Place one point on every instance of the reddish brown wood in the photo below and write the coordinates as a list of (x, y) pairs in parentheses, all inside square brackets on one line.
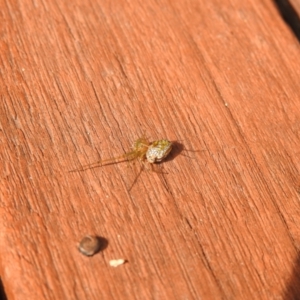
[(80, 80)]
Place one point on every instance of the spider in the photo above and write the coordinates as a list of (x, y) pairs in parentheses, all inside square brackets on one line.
[(142, 150)]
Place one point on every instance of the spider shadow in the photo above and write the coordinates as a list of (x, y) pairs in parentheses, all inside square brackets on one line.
[(177, 150), (289, 15), (292, 290), (2, 291)]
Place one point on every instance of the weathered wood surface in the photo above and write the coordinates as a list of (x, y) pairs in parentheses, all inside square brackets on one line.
[(80, 80)]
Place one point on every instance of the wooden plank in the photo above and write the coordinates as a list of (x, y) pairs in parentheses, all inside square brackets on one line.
[(80, 81)]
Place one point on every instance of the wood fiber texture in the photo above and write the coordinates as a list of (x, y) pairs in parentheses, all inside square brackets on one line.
[(81, 80)]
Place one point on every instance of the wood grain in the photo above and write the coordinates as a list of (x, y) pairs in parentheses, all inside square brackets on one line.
[(81, 80)]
